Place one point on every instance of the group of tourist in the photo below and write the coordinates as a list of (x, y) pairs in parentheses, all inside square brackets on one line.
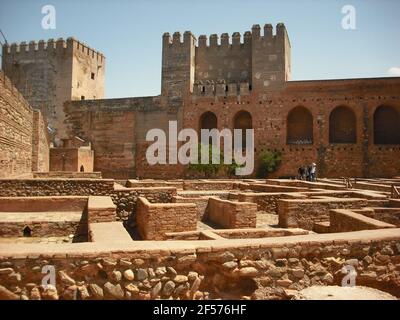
[(308, 173)]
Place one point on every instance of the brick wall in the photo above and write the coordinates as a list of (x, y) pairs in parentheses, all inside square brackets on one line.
[(124, 198), (40, 144), (154, 220), (346, 220), (231, 215), (24, 144), (305, 212)]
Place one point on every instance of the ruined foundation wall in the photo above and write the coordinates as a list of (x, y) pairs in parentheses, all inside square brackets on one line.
[(155, 220), (124, 198), (256, 269)]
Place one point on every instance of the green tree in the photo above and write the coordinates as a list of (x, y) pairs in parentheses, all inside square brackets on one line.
[(269, 162)]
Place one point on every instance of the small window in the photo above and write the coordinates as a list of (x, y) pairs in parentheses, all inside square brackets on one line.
[(92, 75), (82, 97), (27, 232)]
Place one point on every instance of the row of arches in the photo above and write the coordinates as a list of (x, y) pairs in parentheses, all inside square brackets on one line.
[(242, 120), (342, 125)]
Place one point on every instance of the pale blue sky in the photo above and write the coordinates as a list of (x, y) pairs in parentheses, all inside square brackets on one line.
[(129, 33)]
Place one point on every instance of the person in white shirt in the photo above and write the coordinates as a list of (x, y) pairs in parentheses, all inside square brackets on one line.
[(313, 172)]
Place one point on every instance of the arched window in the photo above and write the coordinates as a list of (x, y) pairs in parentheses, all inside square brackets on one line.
[(208, 120), (386, 125), (342, 126), (82, 169), (243, 121), (299, 126)]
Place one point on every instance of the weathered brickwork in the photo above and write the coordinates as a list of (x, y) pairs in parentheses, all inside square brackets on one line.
[(154, 220), (124, 198), (50, 73), (296, 213), (24, 143), (347, 124), (231, 215)]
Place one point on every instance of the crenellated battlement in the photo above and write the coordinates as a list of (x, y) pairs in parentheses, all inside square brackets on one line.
[(50, 46), (176, 39), (224, 41), (220, 88), (257, 59)]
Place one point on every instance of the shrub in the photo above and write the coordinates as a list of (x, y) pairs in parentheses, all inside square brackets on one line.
[(269, 162)]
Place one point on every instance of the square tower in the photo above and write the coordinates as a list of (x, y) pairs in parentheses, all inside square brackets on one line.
[(53, 72)]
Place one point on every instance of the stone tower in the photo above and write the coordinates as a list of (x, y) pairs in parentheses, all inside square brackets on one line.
[(53, 72), (226, 66)]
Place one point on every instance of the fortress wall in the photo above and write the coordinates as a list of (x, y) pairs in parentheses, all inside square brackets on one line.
[(229, 60), (270, 121), (24, 144), (16, 127), (53, 72), (235, 269)]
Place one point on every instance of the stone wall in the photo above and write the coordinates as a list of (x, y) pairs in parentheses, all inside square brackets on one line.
[(230, 214), (303, 213), (40, 144), (229, 269), (67, 174), (24, 144), (50, 73), (124, 198), (346, 220), (100, 209), (154, 220), (16, 127), (267, 202)]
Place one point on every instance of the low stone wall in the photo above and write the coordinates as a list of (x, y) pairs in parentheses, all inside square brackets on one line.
[(69, 175), (124, 198), (346, 220), (154, 183), (388, 215), (154, 220), (272, 188), (230, 214), (209, 185), (303, 213), (274, 268), (100, 209), (267, 201), (55, 187), (38, 204), (43, 229), (201, 204)]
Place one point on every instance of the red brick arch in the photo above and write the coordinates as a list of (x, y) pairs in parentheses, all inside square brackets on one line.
[(208, 120), (386, 125), (299, 126), (342, 125), (243, 120)]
